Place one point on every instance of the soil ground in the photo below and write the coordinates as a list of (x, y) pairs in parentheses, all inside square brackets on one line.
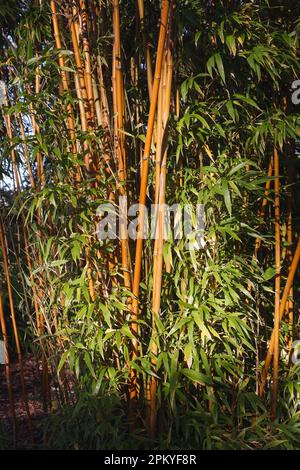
[(23, 439)]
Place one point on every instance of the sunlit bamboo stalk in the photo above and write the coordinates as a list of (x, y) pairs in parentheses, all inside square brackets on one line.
[(290, 302), (159, 240), (87, 58), (80, 82), (147, 52), (119, 137), (143, 188), (277, 285)]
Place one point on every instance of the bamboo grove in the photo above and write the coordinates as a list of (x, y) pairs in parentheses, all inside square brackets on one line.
[(148, 343)]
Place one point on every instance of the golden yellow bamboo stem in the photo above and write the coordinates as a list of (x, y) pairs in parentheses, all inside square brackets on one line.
[(143, 188), (162, 188), (290, 302), (76, 21), (103, 95), (80, 69), (146, 47), (119, 91), (83, 120), (80, 83), (105, 117), (79, 66), (159, 239), (159, 130), (119, 137), (151, 383), (277, 285), (87, 57)]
